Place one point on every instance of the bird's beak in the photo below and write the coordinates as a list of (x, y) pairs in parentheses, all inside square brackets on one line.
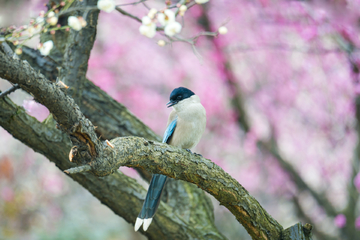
[(171, 103)]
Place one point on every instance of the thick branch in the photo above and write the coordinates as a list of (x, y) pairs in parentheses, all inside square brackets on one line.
[(114, 120), (77, 50), (63, 107), (179, 164), (10, 90), (120, 193)]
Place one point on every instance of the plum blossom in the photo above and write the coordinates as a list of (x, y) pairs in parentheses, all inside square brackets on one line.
[(39, 22), (357, 223), (51, 14), (82, 21), (172, 28), (152, 13), (182, 10), (357, 182), (201, 1), (161, 43), (18, 51), (106, 5), (74, 23), (148, 28), (52, 19), (31, 30), (46, 47), (340, 220), (167, 17), (223, 30)]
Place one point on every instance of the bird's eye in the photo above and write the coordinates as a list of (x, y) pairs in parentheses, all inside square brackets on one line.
[(179, 97)]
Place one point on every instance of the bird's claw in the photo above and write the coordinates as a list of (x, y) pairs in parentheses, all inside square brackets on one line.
[(197, 154)]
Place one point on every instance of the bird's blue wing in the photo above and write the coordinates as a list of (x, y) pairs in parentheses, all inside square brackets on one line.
[(153, 196), (169, 131)]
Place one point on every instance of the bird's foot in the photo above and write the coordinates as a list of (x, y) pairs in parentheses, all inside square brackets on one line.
[(197, 154)]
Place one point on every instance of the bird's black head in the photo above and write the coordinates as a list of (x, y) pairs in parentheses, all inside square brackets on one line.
[(179, 94)]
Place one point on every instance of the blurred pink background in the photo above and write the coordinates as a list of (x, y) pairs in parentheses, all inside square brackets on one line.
[(296, 82)]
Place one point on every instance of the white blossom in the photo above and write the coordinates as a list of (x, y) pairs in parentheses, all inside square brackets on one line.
[(201, 1), (46, 48), (52, 21), (74, 23), (146, 20), (148, 28), (161, 43), (223, 30), (51, 14), (167, 17), (18, 51), (31, 30), (106, 5), (182, 10), (82, 21), (152, 13), (172, 28), (39, 22)]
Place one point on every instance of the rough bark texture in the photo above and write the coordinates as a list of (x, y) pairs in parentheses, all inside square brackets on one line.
[(77, 51), (120, 193), (112, 120), (188, 214), (65, 111), (179, 164)]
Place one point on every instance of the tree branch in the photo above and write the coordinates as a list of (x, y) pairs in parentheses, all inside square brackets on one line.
[(127, 14), (55, 145), (77, 50), (208, 176), (10, 90), (177, 163), (63, 107), (114, 120)]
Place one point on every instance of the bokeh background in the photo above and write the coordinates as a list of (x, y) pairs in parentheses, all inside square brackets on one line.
[(292, 66)]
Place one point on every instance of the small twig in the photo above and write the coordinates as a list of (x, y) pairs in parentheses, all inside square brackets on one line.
[(146, 6), (84, 168), (109, 144), (10, 90), (134, 3), (128, 14), (7, 49)]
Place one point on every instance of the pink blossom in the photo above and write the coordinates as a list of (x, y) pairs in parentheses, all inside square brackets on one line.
[(340, 221), (53, 183), (357, 182), (7, 194), (357, 223)]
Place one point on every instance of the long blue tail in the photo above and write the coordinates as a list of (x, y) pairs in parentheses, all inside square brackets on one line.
[(152, 201)]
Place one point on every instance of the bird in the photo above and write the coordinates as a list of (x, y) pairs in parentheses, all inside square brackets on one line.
[(186, 124)]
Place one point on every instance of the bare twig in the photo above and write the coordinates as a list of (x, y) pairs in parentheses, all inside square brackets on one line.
[(280, 47), (134, 3), (10, 90), (79, 169), (128, 14)]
